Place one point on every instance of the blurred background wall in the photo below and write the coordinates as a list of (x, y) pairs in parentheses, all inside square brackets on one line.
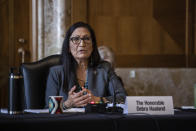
[(153, 39)]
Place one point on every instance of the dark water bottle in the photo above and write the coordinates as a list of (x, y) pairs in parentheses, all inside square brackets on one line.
[(15, 105)]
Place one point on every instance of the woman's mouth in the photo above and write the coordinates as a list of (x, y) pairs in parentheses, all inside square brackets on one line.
[(82, 51)]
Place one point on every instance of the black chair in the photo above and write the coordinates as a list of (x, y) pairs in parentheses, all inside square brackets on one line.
[(35, 77)]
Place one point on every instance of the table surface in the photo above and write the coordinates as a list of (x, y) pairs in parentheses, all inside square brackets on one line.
[(181, 120)]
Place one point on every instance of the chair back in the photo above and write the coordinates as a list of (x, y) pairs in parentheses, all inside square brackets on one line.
[(35, 76)]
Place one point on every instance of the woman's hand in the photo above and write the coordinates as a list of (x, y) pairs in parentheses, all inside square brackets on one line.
[(96, 98), (79, 99), (93, 98)]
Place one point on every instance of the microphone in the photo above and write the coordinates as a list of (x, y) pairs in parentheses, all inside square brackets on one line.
[(102, 107), (114, 108)]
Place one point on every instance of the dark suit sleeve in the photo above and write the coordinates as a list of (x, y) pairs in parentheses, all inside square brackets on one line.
[(52, 88)]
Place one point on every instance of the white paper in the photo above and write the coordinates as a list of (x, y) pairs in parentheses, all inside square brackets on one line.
[(36, 110), (4, 111), (188, 107), (71, 110), (74, 110)]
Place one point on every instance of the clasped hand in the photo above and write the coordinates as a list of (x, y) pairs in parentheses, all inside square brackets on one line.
[(80, 99)]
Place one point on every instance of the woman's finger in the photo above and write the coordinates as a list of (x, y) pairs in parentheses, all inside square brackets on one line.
[(83, 102), (82, 98), (81, 93), (72, 90)]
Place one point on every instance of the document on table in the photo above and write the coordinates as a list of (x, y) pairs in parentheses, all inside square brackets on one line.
[(36, 110), (74, 110), (4, 111), (71, 110)]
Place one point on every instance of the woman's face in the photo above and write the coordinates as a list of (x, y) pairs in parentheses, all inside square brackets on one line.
[(81, 44)]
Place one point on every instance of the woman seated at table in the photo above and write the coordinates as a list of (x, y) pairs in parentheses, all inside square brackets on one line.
[(82, 77)]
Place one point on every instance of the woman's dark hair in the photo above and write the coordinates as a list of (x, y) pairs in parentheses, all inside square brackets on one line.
[(68, 61)]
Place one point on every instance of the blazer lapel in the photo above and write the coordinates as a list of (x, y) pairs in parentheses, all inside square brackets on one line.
[(71, 83), (91, 78)]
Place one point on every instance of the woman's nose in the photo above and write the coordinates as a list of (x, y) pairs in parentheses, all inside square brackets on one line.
[(82, 43)]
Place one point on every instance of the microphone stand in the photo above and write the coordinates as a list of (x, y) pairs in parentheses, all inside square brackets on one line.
[(101, 108), (114, 108)]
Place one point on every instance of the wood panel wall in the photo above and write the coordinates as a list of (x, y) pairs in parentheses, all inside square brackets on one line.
[(4, 52), (144, 33), (14, 24)]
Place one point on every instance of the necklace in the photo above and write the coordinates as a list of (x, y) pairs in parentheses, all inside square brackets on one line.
[(83, 83)]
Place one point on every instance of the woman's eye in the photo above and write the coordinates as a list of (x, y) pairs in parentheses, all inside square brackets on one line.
[(76, 38), (86, 38)]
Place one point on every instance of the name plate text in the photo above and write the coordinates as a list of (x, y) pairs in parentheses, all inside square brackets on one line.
[(153, 105)]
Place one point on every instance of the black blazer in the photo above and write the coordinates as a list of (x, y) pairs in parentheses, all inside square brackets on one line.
[(101, 82)]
